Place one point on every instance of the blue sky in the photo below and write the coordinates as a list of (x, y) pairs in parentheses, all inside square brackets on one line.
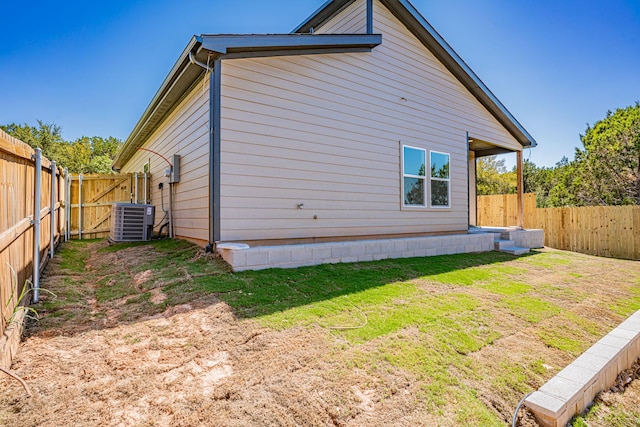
[(93, 67)]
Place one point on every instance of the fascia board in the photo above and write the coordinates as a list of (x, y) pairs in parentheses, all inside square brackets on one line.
[(223, 44)]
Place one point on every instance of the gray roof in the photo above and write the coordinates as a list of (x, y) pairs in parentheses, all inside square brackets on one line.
[(206, 48)]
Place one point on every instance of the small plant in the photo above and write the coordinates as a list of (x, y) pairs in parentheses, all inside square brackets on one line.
[(30, 312)]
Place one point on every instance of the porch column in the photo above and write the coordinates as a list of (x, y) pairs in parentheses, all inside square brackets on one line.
[(473, 207), (520, 189)]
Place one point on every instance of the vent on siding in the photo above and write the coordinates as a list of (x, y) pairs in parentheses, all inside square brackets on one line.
[(131, 222)]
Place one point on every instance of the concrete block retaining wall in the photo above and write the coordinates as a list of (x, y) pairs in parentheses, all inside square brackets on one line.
[(525, 238), (573, 389), (242, 257)]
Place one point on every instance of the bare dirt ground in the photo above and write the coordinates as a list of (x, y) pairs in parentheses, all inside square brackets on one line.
[(196, 363), (192, 364)]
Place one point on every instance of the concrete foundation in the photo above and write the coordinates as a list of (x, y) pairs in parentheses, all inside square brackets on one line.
[(241, 257)]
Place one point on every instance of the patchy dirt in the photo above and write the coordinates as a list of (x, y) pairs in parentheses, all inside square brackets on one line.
[(147, 356), (191, 364)]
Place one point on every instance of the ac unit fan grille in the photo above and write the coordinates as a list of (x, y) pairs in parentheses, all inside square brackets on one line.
[(131, 222)]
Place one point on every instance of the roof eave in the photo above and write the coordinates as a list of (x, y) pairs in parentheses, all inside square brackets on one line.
[(242, 43), (182, 75), (321, 15)]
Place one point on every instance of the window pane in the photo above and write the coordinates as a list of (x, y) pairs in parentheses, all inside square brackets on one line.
[(414, 191), (439, 193), (439, 165), (414, 161)]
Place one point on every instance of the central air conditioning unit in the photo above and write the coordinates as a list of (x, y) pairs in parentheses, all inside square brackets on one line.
[(131, 222)]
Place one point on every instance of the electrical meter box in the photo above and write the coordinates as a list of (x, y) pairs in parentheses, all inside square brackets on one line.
[(175, 172)]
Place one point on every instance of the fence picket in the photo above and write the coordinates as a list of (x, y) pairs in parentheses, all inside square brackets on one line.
[(609, 231), (18, 213), (91, 198)]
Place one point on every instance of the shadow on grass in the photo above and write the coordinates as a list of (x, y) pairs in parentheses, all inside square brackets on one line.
[(106, 293), (258, 293)]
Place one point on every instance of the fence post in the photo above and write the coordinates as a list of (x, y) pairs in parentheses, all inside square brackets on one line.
[(67, 204), (54, 182), (67, 208), (80, 207), (36, 223)]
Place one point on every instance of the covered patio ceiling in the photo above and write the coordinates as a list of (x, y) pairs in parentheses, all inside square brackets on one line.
[(484, 148)]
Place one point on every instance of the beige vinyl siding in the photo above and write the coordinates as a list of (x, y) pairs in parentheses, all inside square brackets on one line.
[(186, 133), (327, 131), (352, 20)]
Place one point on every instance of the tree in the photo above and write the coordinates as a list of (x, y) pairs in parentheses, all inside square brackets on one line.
[(92, 154), (609, 164), (492, 177), (563, 183), (554, 187), (47, 137), (84, 155)]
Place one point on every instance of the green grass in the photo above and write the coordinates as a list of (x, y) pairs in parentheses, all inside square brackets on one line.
[(114, 287), (425, 316), (528, 308), (575, 335), (75, 256), (506, 287), (630, 305)]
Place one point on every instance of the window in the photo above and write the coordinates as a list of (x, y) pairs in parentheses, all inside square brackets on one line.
[(439, 179), (414, 176)]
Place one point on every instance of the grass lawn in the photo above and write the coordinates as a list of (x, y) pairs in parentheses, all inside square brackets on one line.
[(446, 340)]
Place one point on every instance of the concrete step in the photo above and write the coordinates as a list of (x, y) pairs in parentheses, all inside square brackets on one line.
[(515, 250), (505, 235), (503, 244)]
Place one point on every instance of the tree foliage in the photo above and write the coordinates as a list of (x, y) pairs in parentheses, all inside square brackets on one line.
[(84, 155), (492, 177), (609, 163), (554, 187), (605, 171)]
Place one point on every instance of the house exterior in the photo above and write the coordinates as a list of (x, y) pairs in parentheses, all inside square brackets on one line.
[(362, 123)]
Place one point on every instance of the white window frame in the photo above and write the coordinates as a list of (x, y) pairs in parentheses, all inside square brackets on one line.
[(404, 175), (447, 180)]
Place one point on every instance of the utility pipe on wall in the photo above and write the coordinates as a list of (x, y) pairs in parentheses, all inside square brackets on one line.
[(144, 190), (37, 191), (54, 184), (171, 235), (135, 186)]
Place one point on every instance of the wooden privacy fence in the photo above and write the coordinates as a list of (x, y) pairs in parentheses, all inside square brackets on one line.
[(90, 198), (31, 221), (609, 231), (501, 210)]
